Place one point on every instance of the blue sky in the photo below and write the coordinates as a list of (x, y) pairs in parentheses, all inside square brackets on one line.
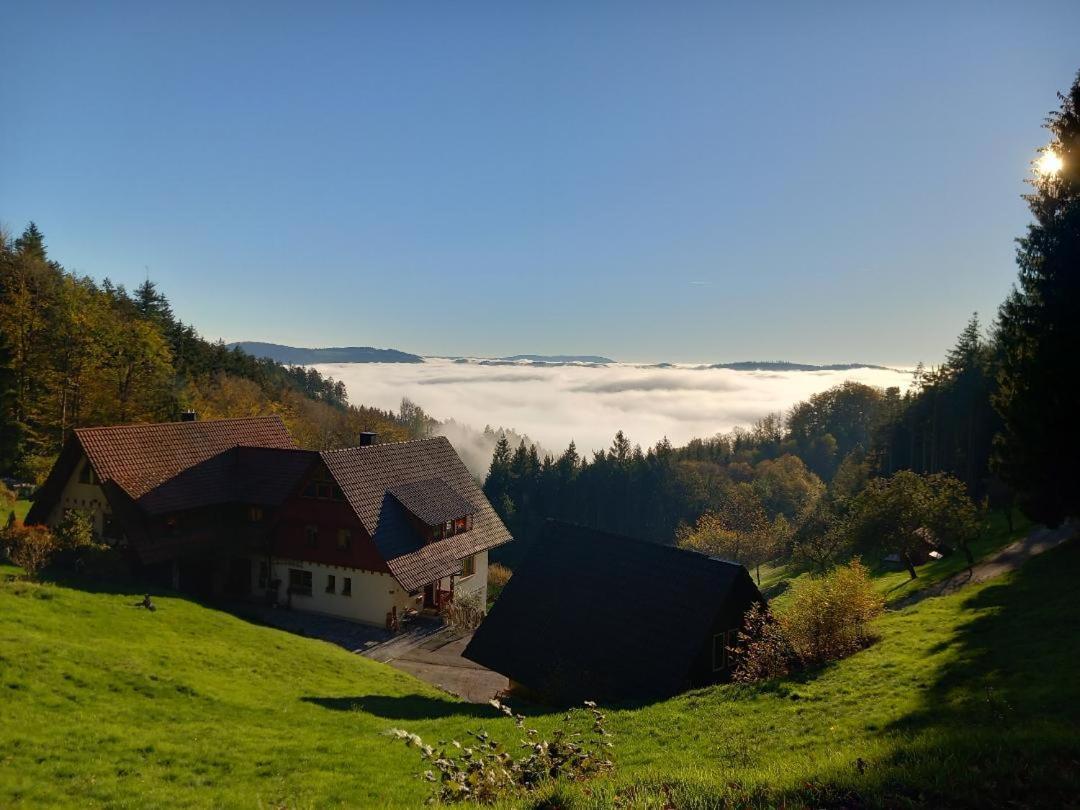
[(650, 181)]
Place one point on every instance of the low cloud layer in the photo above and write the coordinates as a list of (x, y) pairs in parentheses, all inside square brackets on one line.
[(588, 404)]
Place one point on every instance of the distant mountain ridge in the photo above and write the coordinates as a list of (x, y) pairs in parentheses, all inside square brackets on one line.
[(783, 365), (299, 356), (557, 358)]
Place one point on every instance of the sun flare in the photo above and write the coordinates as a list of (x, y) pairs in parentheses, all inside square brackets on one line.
[(1049, 163)]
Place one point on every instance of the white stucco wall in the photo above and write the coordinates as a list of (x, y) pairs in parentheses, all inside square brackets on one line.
[(476, 584), (373, 594), (85, 497)]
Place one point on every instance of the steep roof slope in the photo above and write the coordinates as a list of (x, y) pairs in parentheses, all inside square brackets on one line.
[(167, 465), (141, 457), (590, 614), (367, 476)]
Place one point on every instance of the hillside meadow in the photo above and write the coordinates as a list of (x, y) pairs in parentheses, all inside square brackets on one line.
[(966, 700)]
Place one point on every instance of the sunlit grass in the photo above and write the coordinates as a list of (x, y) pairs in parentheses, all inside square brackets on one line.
[(970, 698), (21, 508)]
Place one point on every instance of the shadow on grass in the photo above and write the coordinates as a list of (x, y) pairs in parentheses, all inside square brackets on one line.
[(411, 707), (419, 707), (1021, 647), (1005, 709)]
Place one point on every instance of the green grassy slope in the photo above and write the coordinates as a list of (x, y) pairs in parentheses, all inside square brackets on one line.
[(971, 699), (967, 700), (187, 706)]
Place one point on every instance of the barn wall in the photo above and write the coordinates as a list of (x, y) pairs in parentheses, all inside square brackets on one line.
[(741, 597)]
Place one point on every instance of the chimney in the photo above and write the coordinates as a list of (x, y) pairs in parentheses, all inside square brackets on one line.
[(367, 438), (189, 416)]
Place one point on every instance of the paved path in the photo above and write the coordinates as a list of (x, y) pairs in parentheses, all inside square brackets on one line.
[(437, 660), (426, 649), (1008, 559)]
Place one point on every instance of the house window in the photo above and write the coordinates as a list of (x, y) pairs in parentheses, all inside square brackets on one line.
[(344, 539), (722, 645), (299, 582), (346, 586), (468, 567), (322, 486), (436, 533), (719, 651), (264, 575), (331, 583), (311, 536), (255, 514), (86, 474), (461, 525)]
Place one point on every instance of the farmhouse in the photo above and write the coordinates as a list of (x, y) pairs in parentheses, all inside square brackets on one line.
[(232, 507), (590, 615)]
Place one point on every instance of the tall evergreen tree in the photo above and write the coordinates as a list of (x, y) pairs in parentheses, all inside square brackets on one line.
[(1038, 333), (31, 244)]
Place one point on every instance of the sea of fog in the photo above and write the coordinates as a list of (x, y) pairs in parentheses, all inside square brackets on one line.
[(554, 404)]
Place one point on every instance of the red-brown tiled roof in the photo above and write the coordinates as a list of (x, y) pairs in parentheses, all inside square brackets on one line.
[(140, 458), (367, 475)]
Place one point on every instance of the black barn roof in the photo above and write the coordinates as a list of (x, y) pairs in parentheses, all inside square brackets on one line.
[(596, 615)]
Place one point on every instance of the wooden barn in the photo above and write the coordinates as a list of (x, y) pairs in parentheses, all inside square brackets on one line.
[(591, 615)]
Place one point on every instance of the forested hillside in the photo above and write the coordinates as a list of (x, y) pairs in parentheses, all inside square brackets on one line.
[(74, 351)]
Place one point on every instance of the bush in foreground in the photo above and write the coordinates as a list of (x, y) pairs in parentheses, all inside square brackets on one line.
[(486, 772)]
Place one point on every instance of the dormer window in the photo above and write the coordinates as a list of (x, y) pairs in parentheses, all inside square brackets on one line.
[(435, 509), (450, 528)]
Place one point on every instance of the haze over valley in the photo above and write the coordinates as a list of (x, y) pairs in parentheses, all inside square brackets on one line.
[(554, 404)]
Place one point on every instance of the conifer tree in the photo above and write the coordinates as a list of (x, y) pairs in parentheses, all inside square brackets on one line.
[(1038, 333)]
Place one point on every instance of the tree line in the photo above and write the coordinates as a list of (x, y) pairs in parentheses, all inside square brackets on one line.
[(75, 352)]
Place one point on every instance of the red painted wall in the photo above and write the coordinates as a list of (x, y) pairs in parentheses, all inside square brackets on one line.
[(290, 537)]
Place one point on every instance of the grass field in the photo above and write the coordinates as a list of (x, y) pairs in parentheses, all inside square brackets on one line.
[(21, 508), (967, 700)]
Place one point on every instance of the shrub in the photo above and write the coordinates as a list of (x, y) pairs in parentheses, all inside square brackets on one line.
[(75, 531), (498, 576), (464, 613), (823, 618), (762, 650), (29, 547), (485, 771), (827, 617)]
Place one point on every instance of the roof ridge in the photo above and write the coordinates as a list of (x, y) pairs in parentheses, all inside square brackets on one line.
[(384, 444), (622, 538), (129, 425), (275, 449)]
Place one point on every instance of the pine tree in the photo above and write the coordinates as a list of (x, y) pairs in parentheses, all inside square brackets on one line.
[(32, 243), (1038, 334)]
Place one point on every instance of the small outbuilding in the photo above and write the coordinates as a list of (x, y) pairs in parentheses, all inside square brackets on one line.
[(592, 615)]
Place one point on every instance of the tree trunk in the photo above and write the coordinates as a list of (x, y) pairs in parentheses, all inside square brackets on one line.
[(968, 554), (910, 566)]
